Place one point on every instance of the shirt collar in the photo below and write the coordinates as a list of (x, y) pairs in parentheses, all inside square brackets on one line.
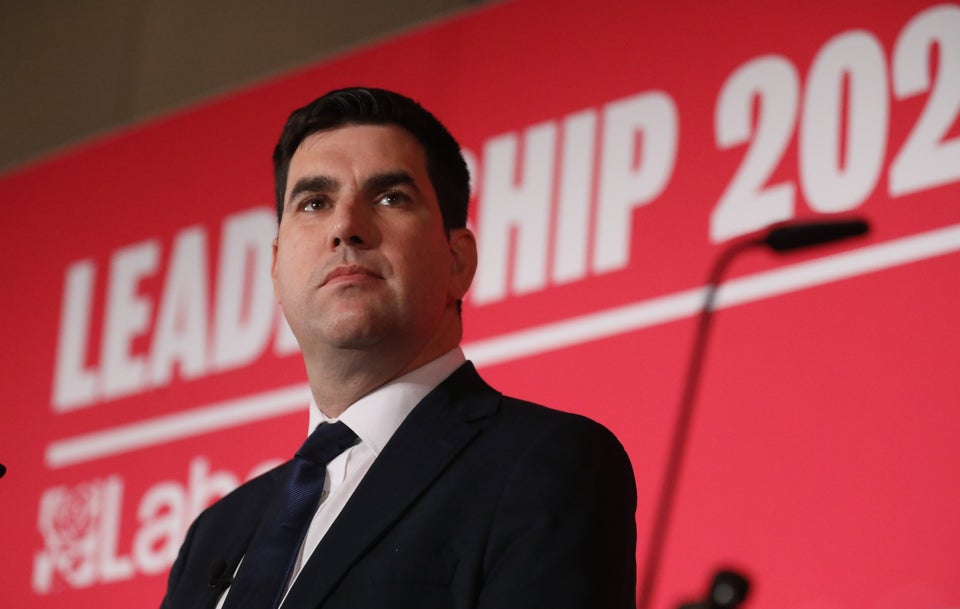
[(376, 416)]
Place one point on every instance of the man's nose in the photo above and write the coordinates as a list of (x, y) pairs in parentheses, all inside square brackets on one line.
[(354, 225)]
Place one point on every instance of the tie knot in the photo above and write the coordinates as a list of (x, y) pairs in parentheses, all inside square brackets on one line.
[(326, 442)]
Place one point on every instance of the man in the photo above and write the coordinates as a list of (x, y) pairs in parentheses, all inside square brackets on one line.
[(451, 495)]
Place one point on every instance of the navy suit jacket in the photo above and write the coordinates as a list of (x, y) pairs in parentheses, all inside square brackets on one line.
[(478, 501)]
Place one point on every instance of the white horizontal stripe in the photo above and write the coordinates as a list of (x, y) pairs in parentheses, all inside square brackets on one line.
[(193, 422), (524, 343), (629, 318), (839, 266), (593, 326)]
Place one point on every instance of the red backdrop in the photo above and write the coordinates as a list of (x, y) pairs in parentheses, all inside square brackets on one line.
[(616, 150)]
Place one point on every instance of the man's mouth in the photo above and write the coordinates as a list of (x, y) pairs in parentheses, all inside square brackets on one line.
[(347, 272)]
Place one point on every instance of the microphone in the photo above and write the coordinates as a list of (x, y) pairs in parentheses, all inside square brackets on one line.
[(784, 237), (727, 591), (798, 235), (220, 576)]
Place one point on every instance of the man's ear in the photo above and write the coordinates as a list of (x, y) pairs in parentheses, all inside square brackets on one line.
[(463, 246), (273, 269)]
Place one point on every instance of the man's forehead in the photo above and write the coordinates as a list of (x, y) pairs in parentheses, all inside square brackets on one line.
[(385, 138), (357, 154)]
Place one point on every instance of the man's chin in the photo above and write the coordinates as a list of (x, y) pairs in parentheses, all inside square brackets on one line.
[(355, 332)]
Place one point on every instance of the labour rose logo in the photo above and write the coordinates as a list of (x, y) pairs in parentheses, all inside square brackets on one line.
[(68, 522)]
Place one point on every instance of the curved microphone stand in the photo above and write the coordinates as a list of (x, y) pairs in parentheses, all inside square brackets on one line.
[(780, 238)]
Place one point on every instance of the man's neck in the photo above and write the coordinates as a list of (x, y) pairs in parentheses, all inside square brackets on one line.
[(340, 378), (334, 393)]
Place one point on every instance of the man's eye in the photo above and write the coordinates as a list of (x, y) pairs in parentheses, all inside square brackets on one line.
[(313, 205), (391, 199)]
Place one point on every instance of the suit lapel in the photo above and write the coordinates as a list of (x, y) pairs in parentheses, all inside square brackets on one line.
[(432, 435), (227, 539)]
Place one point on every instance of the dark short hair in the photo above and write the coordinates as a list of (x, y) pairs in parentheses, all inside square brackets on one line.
[(366, 106)]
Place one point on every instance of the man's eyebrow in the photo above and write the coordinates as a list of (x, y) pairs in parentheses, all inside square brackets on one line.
[(313, 184), (377, 181), (389, 179)]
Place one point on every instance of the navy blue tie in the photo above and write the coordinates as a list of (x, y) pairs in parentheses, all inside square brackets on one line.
[(268, 562)]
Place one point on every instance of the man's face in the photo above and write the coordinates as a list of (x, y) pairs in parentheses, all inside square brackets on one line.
[(362, 259)]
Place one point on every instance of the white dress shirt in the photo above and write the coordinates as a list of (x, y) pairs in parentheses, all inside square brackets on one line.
[(374, 418)]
